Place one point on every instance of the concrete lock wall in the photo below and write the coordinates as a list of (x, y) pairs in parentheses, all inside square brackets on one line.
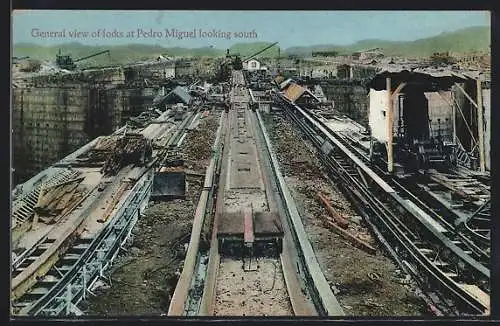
[(54, 115), (48, 123), (350, 98)]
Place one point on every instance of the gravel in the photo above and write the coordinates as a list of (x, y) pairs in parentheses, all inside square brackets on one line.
[(365, 285), (144, 277)]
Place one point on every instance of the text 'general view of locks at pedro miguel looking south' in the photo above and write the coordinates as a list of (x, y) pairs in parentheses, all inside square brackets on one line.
[(140, 33)]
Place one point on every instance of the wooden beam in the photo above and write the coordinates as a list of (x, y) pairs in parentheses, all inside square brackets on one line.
[(480, 126), (352, 238), (454, 117), (398, 89), (461, 113), (467, 95), (342, 222), (389, 122)]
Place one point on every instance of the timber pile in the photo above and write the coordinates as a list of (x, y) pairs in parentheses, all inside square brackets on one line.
[(57, 200), (462, 187), (97, 155), (130, 149)]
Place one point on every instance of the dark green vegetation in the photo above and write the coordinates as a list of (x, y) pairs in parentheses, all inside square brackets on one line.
[(465, 40)]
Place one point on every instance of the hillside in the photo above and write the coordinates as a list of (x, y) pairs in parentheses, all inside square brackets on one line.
[(118, 53), (464, 40)]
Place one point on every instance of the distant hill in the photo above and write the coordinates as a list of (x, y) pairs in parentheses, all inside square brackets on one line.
[(464, 40), (247, 49), (118, 53)]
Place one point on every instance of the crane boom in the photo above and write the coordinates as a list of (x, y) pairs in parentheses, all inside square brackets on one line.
[(257, 53), (92, 55)]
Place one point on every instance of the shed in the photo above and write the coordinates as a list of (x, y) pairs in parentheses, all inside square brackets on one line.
[(178, 95), (293, 92), (418, 98), (252, 64), (284, 84)]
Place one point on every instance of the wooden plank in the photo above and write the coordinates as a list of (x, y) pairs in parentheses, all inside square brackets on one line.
[(355, 241), (477, 293), (342, 222)]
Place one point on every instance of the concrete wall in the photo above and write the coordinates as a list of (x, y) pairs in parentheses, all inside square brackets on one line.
[(323, 71), (349, 97), (50, 122), (54, 115), (195, 69)]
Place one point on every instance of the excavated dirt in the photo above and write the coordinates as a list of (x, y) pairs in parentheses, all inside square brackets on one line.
[(365, 285), (144, 278)]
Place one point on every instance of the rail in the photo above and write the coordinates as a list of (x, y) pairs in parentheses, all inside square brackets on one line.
[(64, 296), (322, 296), (413, 237)]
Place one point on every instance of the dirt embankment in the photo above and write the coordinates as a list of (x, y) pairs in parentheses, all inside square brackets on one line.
[(365, 284), (144, 278)]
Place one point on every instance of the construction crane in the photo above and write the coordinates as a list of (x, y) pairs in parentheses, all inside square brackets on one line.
[(66, 62), (236, 60), (259, 52)]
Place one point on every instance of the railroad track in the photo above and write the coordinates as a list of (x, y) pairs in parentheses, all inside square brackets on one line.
[(454, 281), (57, 272), (259, 251), (468, 223)]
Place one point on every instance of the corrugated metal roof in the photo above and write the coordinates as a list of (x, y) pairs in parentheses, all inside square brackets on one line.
[(284, 84), (294, 91)]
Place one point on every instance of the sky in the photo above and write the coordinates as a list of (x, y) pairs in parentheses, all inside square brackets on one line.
[(223, 28)]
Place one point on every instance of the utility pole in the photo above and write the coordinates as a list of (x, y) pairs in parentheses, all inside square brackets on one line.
[(388, 117), (480, 126)]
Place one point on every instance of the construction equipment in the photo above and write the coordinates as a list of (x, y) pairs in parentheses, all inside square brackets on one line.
[(67, 62), (259, 52), (237, 62), (235, 58)]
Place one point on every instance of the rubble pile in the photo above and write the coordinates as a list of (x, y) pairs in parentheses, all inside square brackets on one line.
[(130, 149), (201, 141)]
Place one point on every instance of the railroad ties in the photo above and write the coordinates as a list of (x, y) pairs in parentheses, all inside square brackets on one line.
[(448, 267)]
